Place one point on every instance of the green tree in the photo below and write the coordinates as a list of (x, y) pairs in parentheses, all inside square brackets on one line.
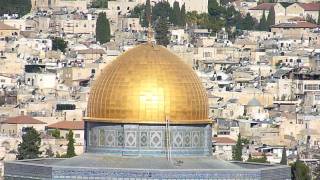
[(30, 145), (162, 32), (247, 23), (192, 18), (183, 16), (59, 44), (70, 149), (318, 17), (55, 133), (215, 9), (215, 24), (175, 17), (300, 171), (263, 23), (284, 156), (138, 11), (237, 150), (161, 10), (147, 14), (99, 4), (271, 19), (102, 29), (310, 19), (317, 172), (20, 7), (229, 16)]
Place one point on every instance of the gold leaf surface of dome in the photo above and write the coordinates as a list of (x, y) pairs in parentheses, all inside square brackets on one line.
[(148, 84)]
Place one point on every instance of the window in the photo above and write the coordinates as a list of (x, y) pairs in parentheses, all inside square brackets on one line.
[(317, 97), (311, 87), (84, 25), (77, 135), (3, 80), (207, 54)]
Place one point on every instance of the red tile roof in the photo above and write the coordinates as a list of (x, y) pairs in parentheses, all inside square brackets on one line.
[(223, 140), (22, 120), (310, 6), (299, 24), (6, 27), (73, 125), (263, 6)]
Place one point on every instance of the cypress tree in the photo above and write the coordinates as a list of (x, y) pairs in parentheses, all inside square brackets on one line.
[(108, 31), (263, 23), (147, 13), (237, 150), (183, 15), (284, 156), (162, 32), (102, 29), (70, 149), (271, 18), (175, 16), (318, 17), (161, 9), (247, 23), (30, 145)]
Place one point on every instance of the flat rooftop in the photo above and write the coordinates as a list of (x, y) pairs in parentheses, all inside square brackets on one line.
[(137, 162), (95, 166)]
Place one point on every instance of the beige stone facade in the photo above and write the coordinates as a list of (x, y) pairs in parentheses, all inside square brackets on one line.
[(56, 4)]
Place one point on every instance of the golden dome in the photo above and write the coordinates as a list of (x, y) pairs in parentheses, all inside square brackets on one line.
[(148, 84)]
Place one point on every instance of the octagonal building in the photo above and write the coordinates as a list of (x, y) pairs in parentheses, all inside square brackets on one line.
[(148, 102)]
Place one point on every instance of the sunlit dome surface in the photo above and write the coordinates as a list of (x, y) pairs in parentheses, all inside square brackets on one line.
[(148, 84)]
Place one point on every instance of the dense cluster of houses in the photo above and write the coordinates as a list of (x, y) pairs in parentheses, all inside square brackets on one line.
[(263, 85)]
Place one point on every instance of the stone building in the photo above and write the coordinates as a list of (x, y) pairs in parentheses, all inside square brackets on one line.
[(8, 31)]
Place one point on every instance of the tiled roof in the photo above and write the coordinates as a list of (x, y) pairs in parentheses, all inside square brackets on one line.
[(73, 125), (22, 120), (263, 6), (6, 27), (310, 6), (223, 140), (300, 24)]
